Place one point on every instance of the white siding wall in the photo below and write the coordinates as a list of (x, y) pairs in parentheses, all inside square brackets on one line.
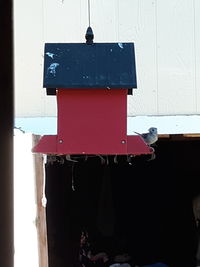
[(167, 42)]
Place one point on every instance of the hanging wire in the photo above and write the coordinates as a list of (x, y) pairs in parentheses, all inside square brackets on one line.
[(73, 187), (44, 199), (89, 12)]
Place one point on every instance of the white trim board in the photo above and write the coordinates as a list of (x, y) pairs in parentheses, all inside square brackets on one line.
[(178, 124)]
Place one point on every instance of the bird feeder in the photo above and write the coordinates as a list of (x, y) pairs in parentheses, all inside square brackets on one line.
[(91, 82)]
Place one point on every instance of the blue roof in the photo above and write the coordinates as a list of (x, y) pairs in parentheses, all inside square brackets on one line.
[(99, 65)]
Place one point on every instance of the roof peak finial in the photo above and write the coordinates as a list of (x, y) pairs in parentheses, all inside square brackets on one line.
[(89, 36)]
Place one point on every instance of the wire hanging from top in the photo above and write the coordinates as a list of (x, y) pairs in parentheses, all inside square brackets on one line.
[(89, 36), (89, 12)]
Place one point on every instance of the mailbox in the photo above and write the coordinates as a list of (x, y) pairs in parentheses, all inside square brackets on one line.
[(91, 82)]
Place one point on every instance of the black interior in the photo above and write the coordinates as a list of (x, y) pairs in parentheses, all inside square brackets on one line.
[(143, 209)]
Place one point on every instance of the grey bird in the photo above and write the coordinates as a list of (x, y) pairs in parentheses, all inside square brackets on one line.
[(151, 137)]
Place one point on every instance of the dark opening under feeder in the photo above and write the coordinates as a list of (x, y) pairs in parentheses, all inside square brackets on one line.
[(91, 82)]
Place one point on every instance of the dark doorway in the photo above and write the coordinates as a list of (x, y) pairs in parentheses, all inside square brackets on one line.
[(139, 207)]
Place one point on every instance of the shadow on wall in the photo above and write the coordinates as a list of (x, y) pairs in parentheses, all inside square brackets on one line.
[(141, 208)]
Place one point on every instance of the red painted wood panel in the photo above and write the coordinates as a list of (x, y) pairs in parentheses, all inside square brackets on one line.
[(92, 121)]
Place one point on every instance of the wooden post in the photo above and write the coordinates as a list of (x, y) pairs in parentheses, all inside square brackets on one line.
[(6, 135), (41, 211)]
